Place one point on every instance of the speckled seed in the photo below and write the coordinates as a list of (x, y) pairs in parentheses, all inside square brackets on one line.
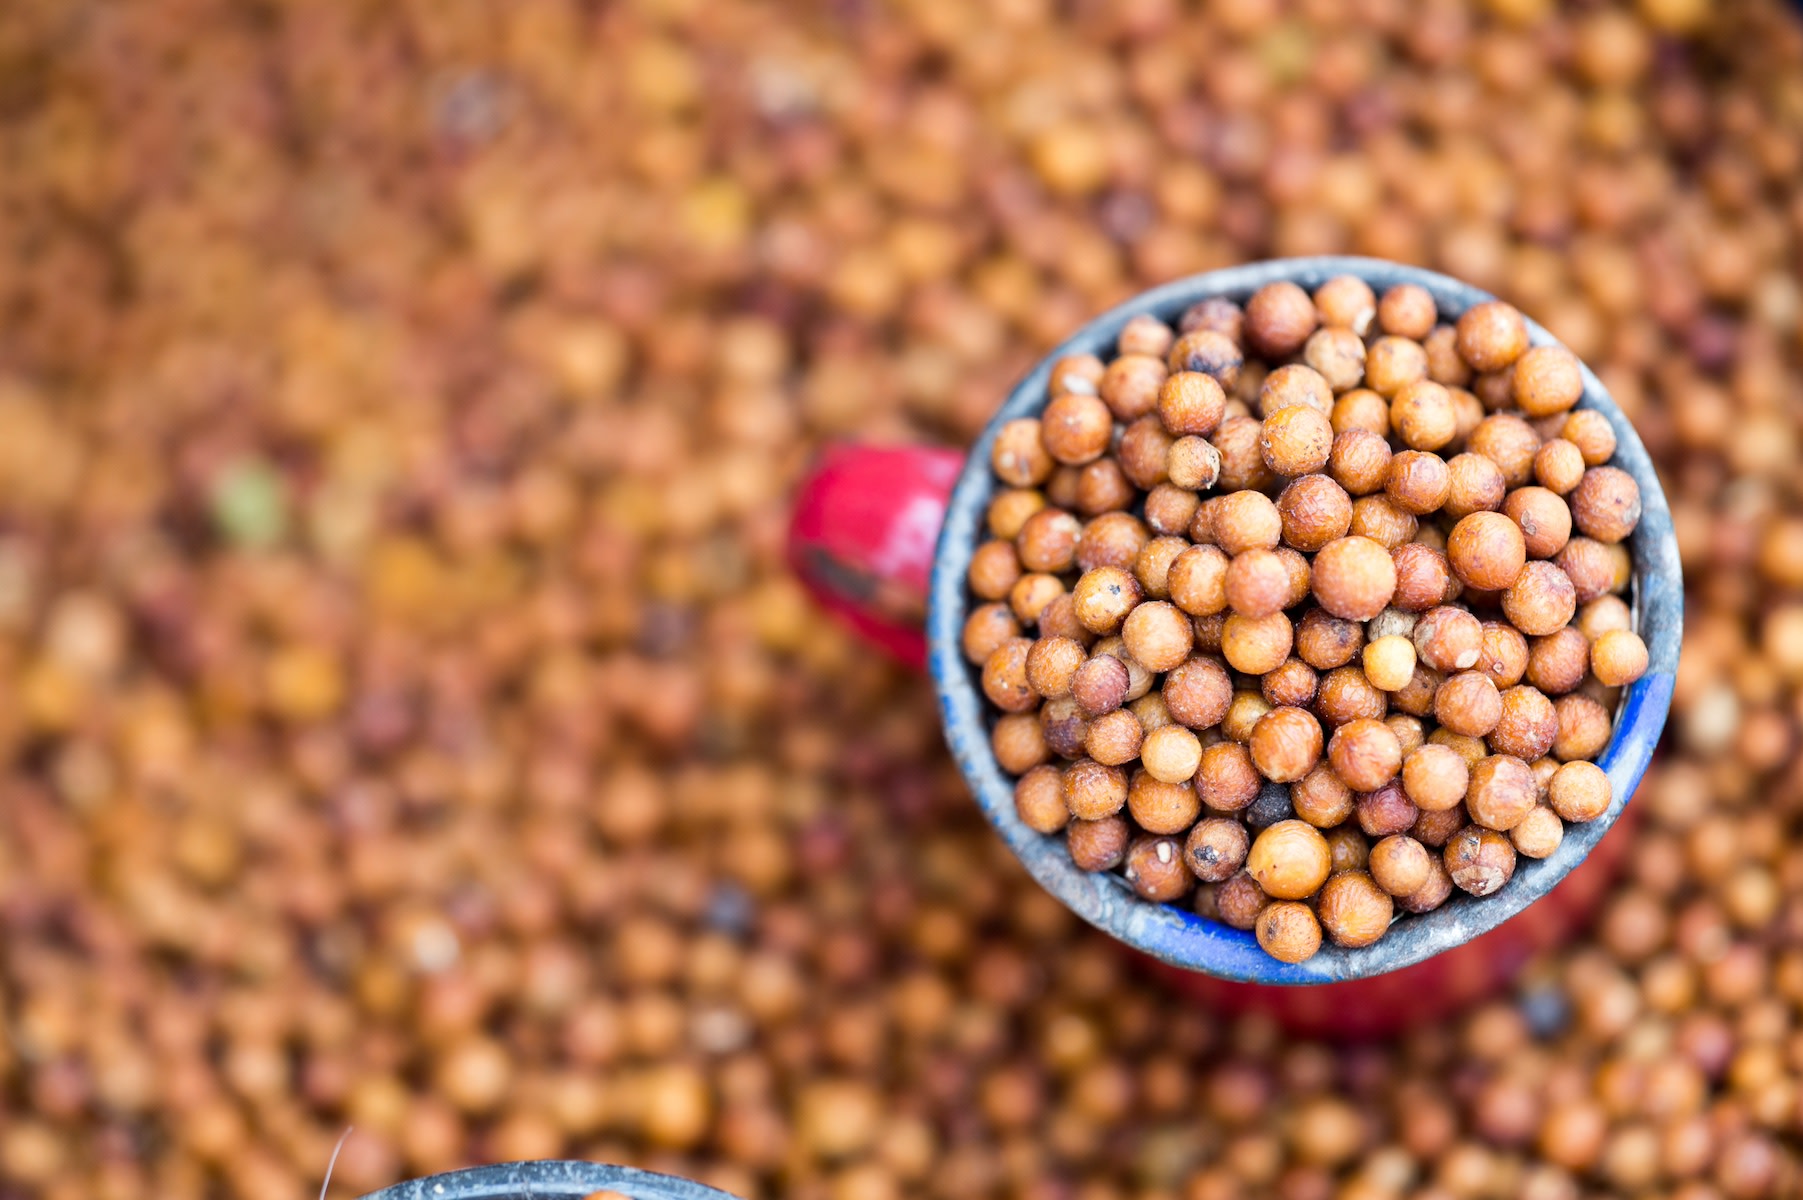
[(1113, 539), (1048, 541), (1346, 302), (1207, 352), (1543, 517), (1606, 504), (1009, 511), (1256, 644), (1390, 662), (1559, 466), (1480, 861), (1005, 676), (1353, 910), (1075, 373), (1197, 693), (1114, 739), (1296, 440), (1019, 458), (1158, 635), (1558, 662), (1579, 792), (1094, 790), (1076, 428), (1294, 386), (1288, 931), (1435, 777), (1584, 727), (1618, 657), (1100, 685), (1197, 580), (1486, 550), (1365, 754), (1361, 408), (1258, 583), (1353, 578), (1527, 726), (1538, 834), (1589, 566), (1314, 511), (1433, 893), (1407, 310), (1547, 381), (1032, 594), (1292, 682), (1423, 415), (994, 570), (1238, 901), (1398, 864), (1216, 849), (1052, 664), (1601, 615), (1541, 600), (1509, 442), (1246, 521), (1321, 798), (1279, 318), (1190, 402), (1491, 335), (1592, 434), (1193, 463), (1226, 779), (1381, 520), (1448, 639), (1018, 742), (1423, 577), (1285, 744), (1468, 703), (1417, 482), (1338, 355), (1159, 807), (1474, 484), (1359, 461), (1325, 641), (1289, 860), (1130, 385), (1502, 792), (1392, 363), (1155, 869), (1171, 755), (1385, 811), (1097, 845), (1104, 597), (1503, 655), (1039, 799)]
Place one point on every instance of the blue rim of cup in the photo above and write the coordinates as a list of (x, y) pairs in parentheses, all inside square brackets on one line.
[(1172, 933), (548, 1179)]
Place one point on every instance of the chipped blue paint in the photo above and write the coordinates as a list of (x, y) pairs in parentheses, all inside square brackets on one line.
[(547, 1180), (1180, 937)]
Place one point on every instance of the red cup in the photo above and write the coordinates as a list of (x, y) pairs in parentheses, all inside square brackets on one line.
[(862, 539)]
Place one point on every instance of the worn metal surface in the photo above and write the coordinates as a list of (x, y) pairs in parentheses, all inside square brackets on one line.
[(547, 1180), (1180, 937)]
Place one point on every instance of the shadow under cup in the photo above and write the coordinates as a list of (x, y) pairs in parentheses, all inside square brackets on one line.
[(1175, 935)]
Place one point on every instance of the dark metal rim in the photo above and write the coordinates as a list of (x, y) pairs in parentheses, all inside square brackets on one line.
[(1177, 936)]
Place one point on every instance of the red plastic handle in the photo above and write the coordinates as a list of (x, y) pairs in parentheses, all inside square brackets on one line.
[(862, 539)]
